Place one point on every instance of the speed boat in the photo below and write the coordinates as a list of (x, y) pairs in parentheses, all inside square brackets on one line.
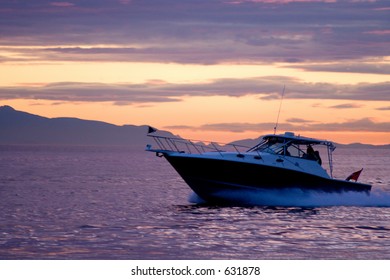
[(277, 162)]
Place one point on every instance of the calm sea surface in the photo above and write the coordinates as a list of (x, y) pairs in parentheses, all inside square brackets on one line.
[(118, 203)]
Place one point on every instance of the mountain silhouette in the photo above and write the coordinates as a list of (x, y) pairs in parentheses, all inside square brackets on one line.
[(253, 142), (17, 127)]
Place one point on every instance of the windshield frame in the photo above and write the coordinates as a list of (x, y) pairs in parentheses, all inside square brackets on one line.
[(291, 146)]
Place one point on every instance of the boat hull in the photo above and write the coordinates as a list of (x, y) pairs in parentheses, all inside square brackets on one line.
[(211, 178)]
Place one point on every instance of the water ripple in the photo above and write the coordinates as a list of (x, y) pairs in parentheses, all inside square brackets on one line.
[(89, 203)]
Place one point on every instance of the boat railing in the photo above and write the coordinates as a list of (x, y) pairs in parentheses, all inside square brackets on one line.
[(193, 146)]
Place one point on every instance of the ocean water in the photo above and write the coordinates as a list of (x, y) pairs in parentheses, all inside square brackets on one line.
[(118, 203)]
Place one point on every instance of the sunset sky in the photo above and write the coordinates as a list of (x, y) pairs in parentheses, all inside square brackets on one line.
[(203, 69)]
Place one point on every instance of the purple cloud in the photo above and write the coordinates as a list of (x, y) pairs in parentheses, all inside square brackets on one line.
[(298, 120), (200, 31), (61, 4), (384, 108), (159, 91), (360, 125), (347, 106), (372, 67)]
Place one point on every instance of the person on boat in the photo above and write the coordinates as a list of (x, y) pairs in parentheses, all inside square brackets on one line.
[(310, 152), (318, 157), (313, 155)]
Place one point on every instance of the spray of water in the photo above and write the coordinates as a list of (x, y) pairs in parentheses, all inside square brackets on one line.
[(302, 198)]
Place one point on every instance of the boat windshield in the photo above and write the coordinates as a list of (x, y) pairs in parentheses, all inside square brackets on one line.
[(290, 145), (280, 146), (296, 146)]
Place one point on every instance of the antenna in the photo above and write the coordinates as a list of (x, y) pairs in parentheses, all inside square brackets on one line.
[(280, 107)]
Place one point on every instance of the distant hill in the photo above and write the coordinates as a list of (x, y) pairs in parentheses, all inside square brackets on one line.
[(253, 142), (363, 146), (18, 127)]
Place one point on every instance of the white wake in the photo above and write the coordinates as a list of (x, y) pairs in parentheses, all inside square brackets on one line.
[(301, 198)]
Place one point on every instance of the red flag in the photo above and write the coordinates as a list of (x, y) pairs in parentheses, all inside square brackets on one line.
[(354, 176)]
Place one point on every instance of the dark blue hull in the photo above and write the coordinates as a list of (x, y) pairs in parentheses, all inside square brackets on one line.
[(209, 178)]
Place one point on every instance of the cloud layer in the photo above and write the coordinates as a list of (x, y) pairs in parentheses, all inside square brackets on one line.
[(160, 91), (198, 31), (361, 125)]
